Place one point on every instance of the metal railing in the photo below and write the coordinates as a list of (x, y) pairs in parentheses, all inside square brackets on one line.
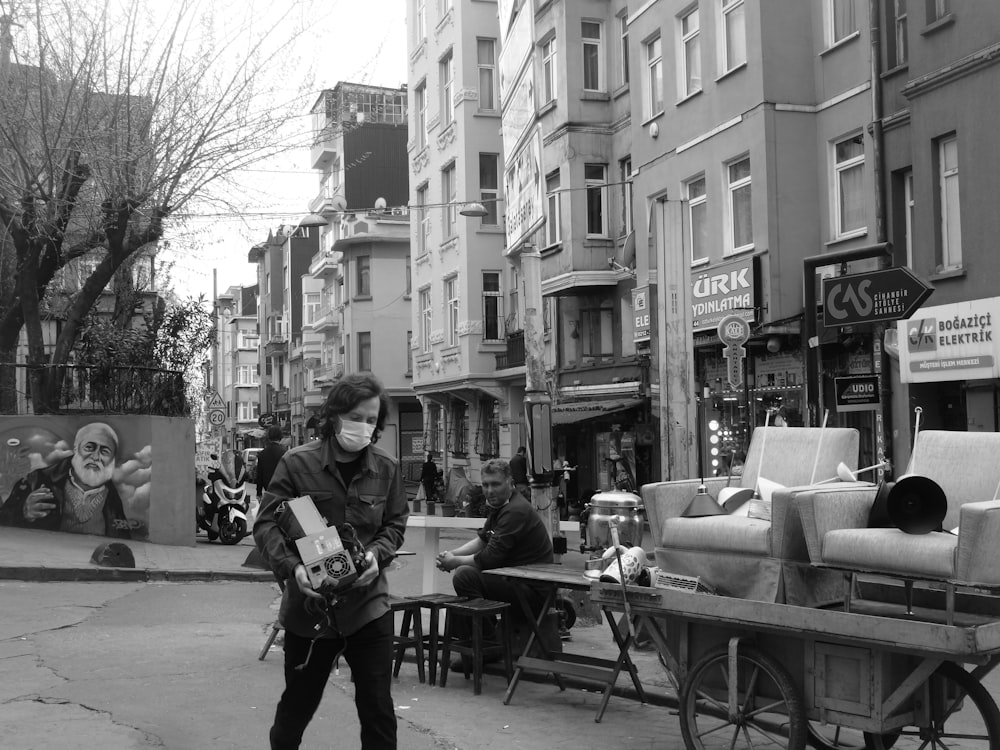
[(107, 390), (514, 356)]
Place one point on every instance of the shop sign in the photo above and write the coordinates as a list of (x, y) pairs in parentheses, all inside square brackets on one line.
[(887, 294), (640, 314), (523, 188), (723, 290), (514, 51), (858, 393), (959, 341), (734, 333)]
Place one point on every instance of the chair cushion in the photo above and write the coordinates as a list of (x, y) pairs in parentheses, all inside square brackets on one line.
[(721, 533), (892, 551)]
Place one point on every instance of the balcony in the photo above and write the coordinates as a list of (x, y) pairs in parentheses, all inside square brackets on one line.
[(514, 356), (281, 398), (323, 153), (327, 319), (325, 263), (276, 346)]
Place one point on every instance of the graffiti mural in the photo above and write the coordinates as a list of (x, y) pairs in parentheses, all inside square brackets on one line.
[(73, 474)]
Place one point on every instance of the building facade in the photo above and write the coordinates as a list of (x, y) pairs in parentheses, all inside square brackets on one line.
[(237, 370)]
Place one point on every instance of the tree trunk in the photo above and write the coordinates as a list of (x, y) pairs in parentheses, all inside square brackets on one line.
[(8, 380)]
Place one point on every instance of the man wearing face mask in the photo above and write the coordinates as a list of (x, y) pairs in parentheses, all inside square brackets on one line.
[(512, 535), (350, 480)]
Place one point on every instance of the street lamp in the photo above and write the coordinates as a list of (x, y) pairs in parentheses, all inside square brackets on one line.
[(474, 210), (313, 220)]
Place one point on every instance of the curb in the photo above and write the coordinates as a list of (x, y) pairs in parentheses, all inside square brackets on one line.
[(129, 575)]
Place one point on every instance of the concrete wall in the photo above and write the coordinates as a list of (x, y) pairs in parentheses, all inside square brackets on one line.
[(153, 469)]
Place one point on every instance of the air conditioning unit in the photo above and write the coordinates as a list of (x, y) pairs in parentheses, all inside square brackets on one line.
[(399, 212)]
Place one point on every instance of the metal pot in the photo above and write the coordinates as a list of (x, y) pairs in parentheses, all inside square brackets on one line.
[(613, 505)]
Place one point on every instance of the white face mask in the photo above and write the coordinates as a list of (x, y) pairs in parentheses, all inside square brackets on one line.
[(355, 436)]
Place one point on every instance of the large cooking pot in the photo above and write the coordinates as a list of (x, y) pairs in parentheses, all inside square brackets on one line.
[(613, 505)]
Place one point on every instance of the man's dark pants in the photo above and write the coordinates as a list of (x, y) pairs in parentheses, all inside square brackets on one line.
[(369, 655), (469, 580)]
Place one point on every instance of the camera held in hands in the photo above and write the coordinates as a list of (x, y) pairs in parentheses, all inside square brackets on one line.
[(332, 555)]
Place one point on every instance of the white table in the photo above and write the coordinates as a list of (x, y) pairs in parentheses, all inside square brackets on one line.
[(432, 526)]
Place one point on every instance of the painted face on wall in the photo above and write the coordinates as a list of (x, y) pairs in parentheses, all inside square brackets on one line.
[(93, 461)]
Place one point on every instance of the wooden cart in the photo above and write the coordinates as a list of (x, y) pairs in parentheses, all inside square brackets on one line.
[(761, 675)]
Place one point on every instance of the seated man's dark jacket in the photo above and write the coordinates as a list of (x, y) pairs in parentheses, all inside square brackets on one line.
[(54, 478), (374, 504), (514, 535)]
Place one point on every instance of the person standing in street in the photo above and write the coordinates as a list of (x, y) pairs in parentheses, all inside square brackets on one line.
[(267, 459), (350, 481), (428, 477), (519, 472)]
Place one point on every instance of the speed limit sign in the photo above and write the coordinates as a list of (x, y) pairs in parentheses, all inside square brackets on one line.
[(216, 416)]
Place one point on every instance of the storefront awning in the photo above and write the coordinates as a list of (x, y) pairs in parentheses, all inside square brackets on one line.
[(582, 410)]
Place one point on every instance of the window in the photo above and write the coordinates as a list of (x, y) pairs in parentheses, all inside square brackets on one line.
[(492, 307), (246, 375), (595, 178), (848, 191), (426, 319), (458, 427), (424, 228), (840, 22), (936, 10), (247, 411), (652, 102), (409, 353), (488, 433), (364, 275), (451, 309), (444, 7), (448, 194), (623, 48), (247, 340), (734, 35), (549, 70), (908, 206), (593, 53), (625, 178), (689, 66), (697, 219), (597, 331), (310, 307), (951, 221), (486, 52), (408, 280), (420, 95), (740, 209), (447, 92), (514, 316), (898, 43), (364, 339), (553, 219), (489, 191), (421, 20)]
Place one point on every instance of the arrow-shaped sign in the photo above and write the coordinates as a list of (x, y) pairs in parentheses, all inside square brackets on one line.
[(889, 294)]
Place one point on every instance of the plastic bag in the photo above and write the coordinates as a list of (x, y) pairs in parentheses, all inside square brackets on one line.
[(421, 495)]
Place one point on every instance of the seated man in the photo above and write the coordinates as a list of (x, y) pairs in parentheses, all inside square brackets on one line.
[(512, 535)]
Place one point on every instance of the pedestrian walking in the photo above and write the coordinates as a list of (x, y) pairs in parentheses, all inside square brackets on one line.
[(267, 459), (519, 472)]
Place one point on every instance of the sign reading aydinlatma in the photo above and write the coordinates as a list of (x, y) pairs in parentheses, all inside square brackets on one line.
[(959, 341), (723, 290)]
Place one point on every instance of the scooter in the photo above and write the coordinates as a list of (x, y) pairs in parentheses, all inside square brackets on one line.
[(223, 512)]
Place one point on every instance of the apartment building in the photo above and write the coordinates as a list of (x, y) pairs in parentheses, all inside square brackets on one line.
[(237, 376)]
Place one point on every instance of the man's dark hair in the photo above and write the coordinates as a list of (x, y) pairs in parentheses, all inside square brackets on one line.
[(349, 391), (521, 449), (274, 433)]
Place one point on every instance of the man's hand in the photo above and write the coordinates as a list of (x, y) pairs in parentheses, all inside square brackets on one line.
[(305, 586), (39, 504), (369, 574), (446, 561)]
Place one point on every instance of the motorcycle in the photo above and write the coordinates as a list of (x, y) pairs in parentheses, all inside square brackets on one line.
[(223, 510)]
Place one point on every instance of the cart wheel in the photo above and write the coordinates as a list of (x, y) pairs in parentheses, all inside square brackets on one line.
[(567, 613), (770, 712), (951, 721)]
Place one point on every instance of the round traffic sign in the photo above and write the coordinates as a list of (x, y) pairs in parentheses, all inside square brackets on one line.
[(216, 416)]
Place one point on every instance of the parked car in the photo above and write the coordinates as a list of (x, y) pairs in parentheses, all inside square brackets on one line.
[(250, 461)]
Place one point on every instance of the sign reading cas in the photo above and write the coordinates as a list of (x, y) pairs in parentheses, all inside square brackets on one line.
[(889, 294), (266, 420)]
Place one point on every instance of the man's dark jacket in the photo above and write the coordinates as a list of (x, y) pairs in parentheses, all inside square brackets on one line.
[(55, 477), (267, 462)]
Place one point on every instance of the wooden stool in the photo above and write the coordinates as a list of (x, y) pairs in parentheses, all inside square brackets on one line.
[(474, 646), (409, 608), (434, 603)]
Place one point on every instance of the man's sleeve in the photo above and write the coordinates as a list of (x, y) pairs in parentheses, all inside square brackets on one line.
[(500, 543), (389, 536), (280, 554)]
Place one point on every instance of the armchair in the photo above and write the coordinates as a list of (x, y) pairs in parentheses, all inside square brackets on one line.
[(967, 467), (753, 558)]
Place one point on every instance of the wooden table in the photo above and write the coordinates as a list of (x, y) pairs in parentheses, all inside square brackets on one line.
[(603, 671), (432, 526)]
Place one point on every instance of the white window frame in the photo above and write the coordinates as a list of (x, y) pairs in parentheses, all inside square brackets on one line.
[(696, 203), (421, 21), (550, 80), (553, 204), (623, 74), (496, 295), (490, 195), (363, 340), (600, 187), (625, 178), (363, 275), (447, 72), (444, 7), (426, 319), (733, 187), (597, 43), (688, 47), (949, 197), (451, 304), (449, 191), (652, 95), (424, 227), (840, 170), (900, 31), (247, 411), (420, 96), (728, 11), (909, 205), (489, 70), (246, 374), (831, 13)]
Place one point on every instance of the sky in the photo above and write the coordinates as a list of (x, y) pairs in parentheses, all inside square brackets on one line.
[(348, 40)]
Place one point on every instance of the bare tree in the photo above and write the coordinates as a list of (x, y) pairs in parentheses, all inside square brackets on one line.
[(113, 120)]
